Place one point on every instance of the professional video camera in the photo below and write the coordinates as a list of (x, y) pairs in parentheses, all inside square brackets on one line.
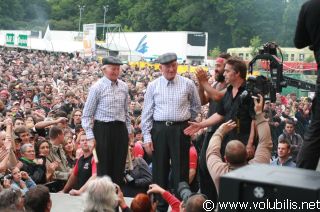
[(269, 85)]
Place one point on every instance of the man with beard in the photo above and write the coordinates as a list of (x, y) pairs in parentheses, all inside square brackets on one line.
[(211, 94)]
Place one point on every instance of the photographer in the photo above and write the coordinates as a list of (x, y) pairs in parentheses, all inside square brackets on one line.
[(235, 153), (137, 174), (166, 195)]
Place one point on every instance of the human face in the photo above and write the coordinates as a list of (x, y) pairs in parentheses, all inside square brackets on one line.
[(18, 123), (169, 70), (84, 143), (218, 70), (77, 117), (111, 72), (283, 150), (44, 149), (230, 74), (25, 137), (69, 146), (16, 174), (29, 153), (289, 128)]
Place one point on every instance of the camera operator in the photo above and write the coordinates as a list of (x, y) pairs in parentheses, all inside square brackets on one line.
[(308, 34), (235, 153), (235, 105)]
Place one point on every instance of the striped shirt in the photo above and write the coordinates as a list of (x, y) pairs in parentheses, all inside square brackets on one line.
[(107, 101), (175, 100)]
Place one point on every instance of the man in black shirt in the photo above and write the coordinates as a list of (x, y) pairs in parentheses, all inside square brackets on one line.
[(84, 171), (308, 34), (236, 105)]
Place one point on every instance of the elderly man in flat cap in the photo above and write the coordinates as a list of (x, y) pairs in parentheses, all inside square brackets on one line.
[(107, 105), (170, 101)]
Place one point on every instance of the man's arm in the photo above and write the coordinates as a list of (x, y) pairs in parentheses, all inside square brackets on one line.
[(203, 97), (44, 124), (147, 114), (215, 164), (195, 127), (195, 103), (126, 110), (263, 152), (70, 183), (89, 110)]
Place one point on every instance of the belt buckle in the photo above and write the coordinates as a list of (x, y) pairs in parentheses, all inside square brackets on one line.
[(169, 123)]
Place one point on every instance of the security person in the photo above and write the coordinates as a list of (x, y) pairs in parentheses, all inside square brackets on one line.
[(308, 34), (107, 106), (170, 101)]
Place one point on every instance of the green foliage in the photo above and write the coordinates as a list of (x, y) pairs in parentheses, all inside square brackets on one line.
[(231, 23), (215, 52), (255, 43)]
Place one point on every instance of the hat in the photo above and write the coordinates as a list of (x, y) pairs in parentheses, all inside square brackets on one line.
[(5, 92), (110, 60), (167, 58)]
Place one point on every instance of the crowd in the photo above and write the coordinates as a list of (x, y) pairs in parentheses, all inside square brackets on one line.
[(162, 138), (41, 101)]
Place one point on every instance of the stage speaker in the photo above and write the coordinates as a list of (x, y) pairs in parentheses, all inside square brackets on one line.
[(264, 187)]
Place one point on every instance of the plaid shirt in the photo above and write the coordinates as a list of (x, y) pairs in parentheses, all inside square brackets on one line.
[(107, 101), (175, 100)]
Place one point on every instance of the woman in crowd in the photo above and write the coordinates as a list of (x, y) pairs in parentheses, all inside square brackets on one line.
[(42, 148)]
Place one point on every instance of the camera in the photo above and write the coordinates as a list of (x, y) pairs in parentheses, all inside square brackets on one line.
[(269, 48), (128, 177), (184, 191), (261, 85)]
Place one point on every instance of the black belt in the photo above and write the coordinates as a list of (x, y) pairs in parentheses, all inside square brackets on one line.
[(109, 122), (171, 123)]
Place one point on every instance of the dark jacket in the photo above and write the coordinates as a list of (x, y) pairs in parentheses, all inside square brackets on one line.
[(35, 171)]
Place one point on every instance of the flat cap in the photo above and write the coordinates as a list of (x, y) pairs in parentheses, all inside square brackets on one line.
[(110, 60), (167, 58)]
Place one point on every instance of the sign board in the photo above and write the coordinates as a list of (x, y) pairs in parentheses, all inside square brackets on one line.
[(89, 40), (10, 39), (23, 40)]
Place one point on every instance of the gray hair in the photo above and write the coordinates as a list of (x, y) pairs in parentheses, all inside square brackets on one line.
[(24, 147), (101, 195)]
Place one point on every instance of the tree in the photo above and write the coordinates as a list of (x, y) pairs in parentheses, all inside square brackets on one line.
[(215, 52), (255, 43)]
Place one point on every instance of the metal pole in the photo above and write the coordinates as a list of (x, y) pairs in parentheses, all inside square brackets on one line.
[(106, 8), (81, 8)]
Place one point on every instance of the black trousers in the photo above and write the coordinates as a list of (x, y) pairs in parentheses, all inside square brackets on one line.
[(171, 146), (207, 186), (309, 153), (112, 149)]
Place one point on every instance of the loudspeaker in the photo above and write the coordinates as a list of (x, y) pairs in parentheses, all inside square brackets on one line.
[(264, 187)]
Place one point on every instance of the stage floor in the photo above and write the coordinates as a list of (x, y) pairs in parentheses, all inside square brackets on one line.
[(67, 203)]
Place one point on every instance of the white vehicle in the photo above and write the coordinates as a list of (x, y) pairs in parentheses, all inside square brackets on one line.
[(190, 47)]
